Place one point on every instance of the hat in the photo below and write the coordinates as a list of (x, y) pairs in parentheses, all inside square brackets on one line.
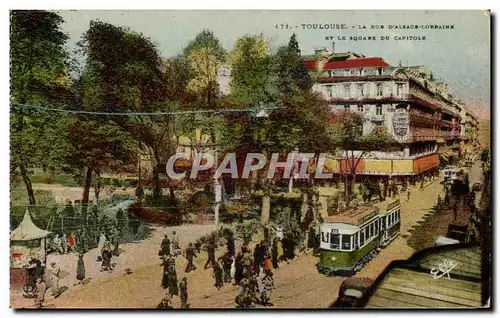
[(53, 263)]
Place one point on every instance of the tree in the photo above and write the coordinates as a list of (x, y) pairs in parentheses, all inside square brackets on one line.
[(39, 75), (346, 127), (205, 56), (289, 70), (250, 71), (125, 75), (301, 120)]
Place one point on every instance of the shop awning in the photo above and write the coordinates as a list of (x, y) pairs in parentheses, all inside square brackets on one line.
[(27, 230)]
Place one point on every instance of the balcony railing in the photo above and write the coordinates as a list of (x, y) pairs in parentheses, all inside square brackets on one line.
[(377, 118)]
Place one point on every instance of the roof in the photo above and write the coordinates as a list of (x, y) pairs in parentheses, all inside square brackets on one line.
[(342, 228), (387, 205), (354, 216), (349, 63), (27, 230), (412, 283)]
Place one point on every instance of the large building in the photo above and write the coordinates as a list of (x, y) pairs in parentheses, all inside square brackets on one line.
[(416, 110)]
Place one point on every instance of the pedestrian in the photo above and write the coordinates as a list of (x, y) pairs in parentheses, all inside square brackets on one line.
[(184, 293), (190, 254), (106, 259), (35, 268), (238, 268), (253, 288), (231, 249), (256, 259), (116, 241), (173, 287), (165, 277), (267, 288), (226, 261), (408, 195), (100, 246), (218, 275), (281, 254), (274, 254), (165, 247), (175, 249), (58, 244), (267, 264), (211, 255), (54, 279), (64, 243), (80, 269), (422, 185), (40, 292), (241, 293)]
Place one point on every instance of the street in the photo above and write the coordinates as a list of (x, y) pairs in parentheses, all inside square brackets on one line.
[(298, 285)]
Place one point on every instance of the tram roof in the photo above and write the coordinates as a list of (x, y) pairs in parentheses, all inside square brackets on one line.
[(354, 216), (387, 205)]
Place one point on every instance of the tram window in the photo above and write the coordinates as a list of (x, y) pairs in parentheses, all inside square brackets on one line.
[(355, 240), (334, 241), (362, 237), (373, 228), (346, 242), (368, 232), (324, 237), (376, 227), (399, 215)]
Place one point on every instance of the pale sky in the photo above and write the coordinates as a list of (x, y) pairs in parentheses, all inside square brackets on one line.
[(460, 57)]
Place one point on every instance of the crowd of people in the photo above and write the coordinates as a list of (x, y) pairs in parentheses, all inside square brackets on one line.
[(251, 269)]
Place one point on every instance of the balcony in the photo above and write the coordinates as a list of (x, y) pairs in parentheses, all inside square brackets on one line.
[(377, 118)]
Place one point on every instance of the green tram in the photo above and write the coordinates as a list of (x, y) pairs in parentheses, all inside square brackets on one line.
[(353, 237)]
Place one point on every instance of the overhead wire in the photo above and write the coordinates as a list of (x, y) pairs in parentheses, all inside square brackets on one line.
[(200, 111)]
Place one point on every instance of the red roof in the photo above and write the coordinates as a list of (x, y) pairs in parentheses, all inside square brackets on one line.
[(352, 63)]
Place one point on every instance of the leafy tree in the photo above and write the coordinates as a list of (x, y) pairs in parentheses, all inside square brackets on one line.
[(288, 66), (39, 69), (125, 75), (250, 64), (205, 56), (346, 128)]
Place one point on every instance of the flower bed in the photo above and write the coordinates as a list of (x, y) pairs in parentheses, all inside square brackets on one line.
[(152, 215)]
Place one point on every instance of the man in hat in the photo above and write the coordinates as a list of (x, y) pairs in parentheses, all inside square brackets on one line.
[(165, 247), (55, 279), (189, 256)]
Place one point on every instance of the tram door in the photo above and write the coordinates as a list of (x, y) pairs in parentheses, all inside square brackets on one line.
[(383, 228)]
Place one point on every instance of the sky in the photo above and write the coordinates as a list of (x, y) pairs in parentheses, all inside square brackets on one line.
[(460, 57)]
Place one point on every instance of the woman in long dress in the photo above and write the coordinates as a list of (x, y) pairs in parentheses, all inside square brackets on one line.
[(100, 246), (80, 269)]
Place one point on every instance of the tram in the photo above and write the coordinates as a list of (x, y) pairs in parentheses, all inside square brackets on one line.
[(353, 237)]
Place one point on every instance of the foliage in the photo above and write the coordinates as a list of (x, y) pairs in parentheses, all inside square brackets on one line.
[(332, 205), (245, 231), (250, 71), (289, 221), (39, 69), (124, 74), (46, 206), (205, 56)]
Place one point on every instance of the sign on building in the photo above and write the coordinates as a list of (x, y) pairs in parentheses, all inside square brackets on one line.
[(401, 122)]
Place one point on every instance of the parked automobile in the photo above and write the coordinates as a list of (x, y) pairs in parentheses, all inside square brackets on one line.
[(351, 292)]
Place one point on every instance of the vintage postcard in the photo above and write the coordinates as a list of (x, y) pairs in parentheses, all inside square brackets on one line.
[(250, 159)]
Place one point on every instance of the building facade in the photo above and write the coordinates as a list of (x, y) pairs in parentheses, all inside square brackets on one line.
[(415, 109)]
